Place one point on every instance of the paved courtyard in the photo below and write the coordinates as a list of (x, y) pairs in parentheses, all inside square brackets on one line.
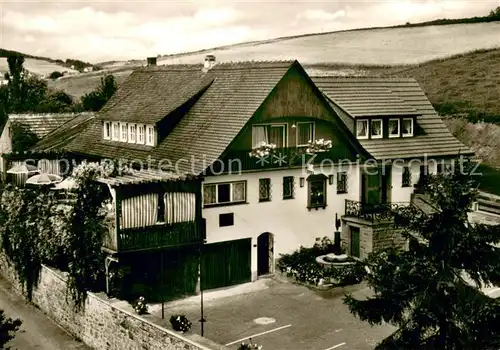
[(279, 315)]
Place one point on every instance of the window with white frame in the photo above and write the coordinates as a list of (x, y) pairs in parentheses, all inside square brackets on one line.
[(140, 134), (224, 193), (394, 128), (124, 132), (115, 131), (305, 133), (150, 135), (376, 129), (271, 133), (407, 127), (362, 129), (107, 130), (131, 133)]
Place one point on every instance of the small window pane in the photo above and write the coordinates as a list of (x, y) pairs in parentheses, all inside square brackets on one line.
[(277, 135), (264, 190), (304, 133), (209, 194), (407, 127), (288, 184), (362, 128), (342, 183), (238, 191), (224, 193), (317, 193), (394, 127), (376, 128)]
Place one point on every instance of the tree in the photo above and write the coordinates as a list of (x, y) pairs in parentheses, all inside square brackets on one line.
[(8, 328), (96, 99), (426, 291), (22, 137), (56, 102), (55, 75), (495, 13)]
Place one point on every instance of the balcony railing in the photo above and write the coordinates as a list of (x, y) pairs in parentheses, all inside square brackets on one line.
[(279, 158), (157, 236), (372, 212)]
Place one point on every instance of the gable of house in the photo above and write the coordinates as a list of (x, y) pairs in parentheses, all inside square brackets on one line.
[(293, 101), (359, 97)]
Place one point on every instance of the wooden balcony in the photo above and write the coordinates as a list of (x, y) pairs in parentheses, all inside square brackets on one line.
[(280, 158), (155, 237), (372, 212)]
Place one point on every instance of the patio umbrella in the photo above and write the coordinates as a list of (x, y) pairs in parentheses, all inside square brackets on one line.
[(23, 169), (68, 183), (44, 179)]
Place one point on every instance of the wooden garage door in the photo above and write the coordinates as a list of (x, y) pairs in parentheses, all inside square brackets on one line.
[(226, 263)]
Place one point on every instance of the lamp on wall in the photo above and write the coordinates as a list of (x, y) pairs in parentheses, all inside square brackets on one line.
[(330, 179), (294, 126), (301, 181)]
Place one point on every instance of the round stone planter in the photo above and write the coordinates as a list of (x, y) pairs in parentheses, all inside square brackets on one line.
[(336, 261)]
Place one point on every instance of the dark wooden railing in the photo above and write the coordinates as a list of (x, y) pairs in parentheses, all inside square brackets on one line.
[(155, 237), (372, 212), (279, 158)]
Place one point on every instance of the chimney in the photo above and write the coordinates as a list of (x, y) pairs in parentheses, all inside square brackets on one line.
[(209, 62), (151, 61)]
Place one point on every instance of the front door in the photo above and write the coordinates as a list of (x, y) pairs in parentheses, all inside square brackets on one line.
[(354, 241), (265, 253)]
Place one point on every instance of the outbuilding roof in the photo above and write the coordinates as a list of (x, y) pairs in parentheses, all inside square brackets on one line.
[(435, 138)]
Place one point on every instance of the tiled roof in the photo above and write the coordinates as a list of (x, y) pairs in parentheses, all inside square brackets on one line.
[(149, 94), (42, 124), (436, 139), (65, 133), (368, 102), (236, 91)]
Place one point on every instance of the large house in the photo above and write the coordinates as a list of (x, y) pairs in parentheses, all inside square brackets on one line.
[(376, 137)]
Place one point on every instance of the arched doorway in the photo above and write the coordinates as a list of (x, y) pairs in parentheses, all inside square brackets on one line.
[(265, 254)]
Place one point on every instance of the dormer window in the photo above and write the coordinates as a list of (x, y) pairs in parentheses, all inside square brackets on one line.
[(376, 129), (394, 128), (150, 135), (407, 127), (140, 134), (124, 132), (362, 129), (131, 133), (107, 131), (115, 128)]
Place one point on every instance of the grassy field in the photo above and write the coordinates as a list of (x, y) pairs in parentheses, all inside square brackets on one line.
[(35, 66)]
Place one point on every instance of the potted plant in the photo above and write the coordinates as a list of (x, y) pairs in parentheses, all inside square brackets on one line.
[(180, 323), (141, 307), (249, 346)]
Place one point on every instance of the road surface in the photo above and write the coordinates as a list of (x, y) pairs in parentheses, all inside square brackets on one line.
[(37, 330)]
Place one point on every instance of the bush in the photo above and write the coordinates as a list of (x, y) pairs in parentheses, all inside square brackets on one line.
[(180, 323), (55, 75)]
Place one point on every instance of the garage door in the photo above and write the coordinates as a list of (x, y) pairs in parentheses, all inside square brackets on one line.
[(226, 263)]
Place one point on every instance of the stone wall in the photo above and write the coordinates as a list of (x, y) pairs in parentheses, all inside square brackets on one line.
[(385, 236), (102, 325), (372, 236)]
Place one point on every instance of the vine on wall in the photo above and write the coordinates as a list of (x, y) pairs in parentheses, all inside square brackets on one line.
[(37, 228)]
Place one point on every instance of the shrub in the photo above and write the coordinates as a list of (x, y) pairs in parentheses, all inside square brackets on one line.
[(180, 323), (55, 75)]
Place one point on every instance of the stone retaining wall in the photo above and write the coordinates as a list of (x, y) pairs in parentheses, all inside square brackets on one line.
[(102, 325)]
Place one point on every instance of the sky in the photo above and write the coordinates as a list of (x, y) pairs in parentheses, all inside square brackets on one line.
[(96, 31)]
